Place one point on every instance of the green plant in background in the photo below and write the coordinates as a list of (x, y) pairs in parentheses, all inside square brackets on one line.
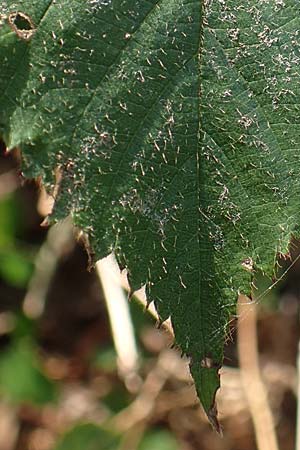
[(170, 125), (161, 440), (90, 437), (16, 262), (21, 376)]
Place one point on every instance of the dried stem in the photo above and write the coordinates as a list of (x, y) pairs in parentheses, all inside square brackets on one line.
[(60, 240), (254, 388), (141, 408), (120, 320)]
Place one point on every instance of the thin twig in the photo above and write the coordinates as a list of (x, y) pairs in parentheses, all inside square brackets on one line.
[(120, 278), (60, 240), (119, 317), (141, 408), (9, 426), (251, 379)]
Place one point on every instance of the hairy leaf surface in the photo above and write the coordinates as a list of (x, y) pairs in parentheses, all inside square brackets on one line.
[(176, 126)]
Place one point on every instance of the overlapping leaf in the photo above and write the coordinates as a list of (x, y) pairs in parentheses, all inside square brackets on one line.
[(176, 126)]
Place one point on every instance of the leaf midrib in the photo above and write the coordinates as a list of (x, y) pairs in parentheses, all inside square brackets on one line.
[(198, 162)]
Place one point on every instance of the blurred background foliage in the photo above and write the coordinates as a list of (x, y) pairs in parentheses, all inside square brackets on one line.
[(60, 385)]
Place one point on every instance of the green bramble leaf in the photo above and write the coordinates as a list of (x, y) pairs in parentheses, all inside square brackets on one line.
[(176, 127)]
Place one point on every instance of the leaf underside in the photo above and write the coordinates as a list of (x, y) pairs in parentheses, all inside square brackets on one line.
[(176, 126)]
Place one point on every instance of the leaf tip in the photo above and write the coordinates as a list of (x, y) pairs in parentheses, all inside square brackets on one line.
[(212, 415), (207, 380)]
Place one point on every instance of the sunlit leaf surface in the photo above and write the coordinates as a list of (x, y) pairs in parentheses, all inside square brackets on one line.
[(175, 124)]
